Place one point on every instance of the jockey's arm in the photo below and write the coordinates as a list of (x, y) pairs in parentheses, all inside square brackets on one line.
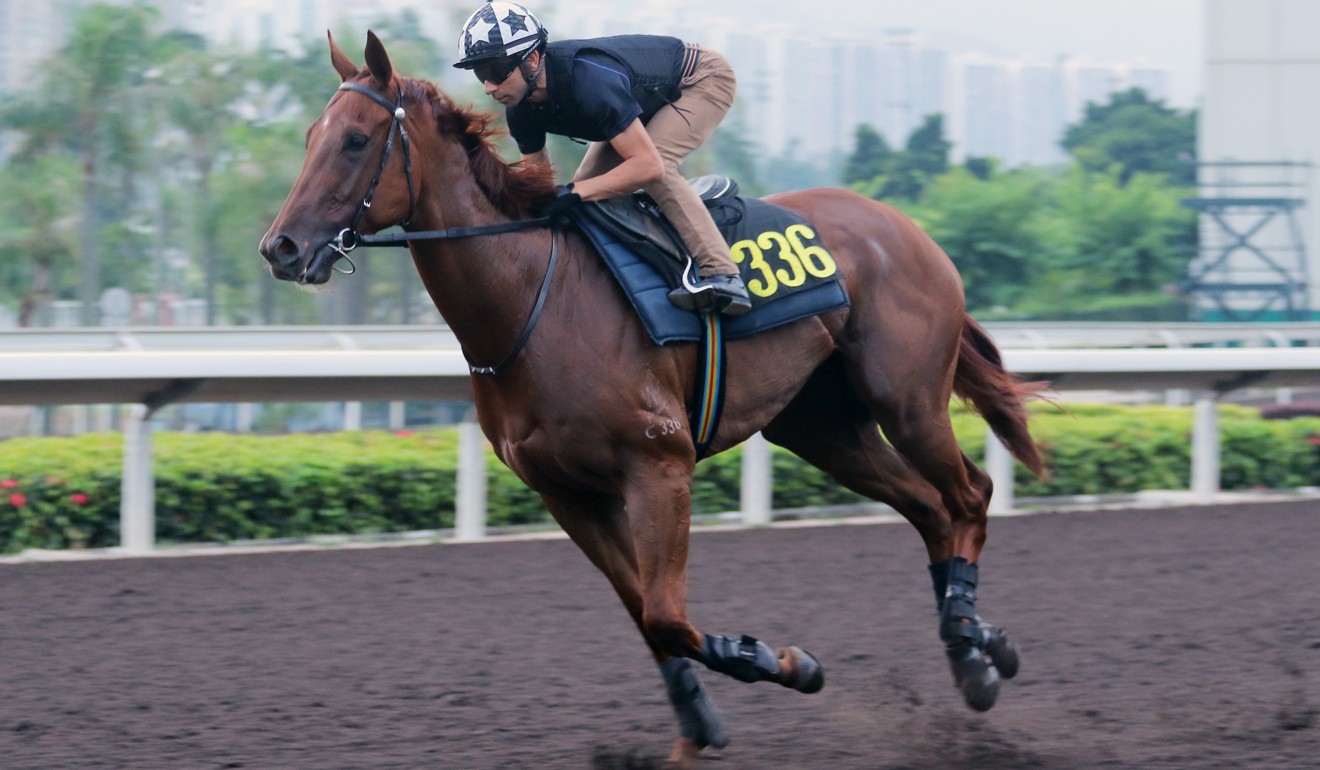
[(641, 166), (537, 158)]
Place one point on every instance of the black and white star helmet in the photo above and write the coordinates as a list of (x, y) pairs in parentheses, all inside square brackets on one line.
[(496, 30)]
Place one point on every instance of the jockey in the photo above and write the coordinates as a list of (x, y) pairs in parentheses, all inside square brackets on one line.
[(645, 102)]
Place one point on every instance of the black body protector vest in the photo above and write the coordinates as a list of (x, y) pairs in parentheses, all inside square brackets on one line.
[(653, 63)]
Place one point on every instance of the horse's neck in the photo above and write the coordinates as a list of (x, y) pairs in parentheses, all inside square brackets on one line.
[(484, 286)]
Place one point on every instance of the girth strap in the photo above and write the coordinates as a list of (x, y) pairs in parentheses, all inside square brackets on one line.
[(705, 418)]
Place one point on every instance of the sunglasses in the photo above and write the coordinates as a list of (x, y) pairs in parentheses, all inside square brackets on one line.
[(497, 71)]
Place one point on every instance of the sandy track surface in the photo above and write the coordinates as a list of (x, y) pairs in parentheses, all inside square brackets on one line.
[(1175, 638)]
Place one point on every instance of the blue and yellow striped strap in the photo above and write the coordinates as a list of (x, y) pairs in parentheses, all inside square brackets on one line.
[(705, 419)]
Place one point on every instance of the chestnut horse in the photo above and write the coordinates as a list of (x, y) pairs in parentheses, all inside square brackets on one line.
[(592, 415)]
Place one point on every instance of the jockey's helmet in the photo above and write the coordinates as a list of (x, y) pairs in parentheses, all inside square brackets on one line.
[(497, 30)]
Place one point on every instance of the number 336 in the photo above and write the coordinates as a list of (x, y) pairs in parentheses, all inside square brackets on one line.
[(799, 260)]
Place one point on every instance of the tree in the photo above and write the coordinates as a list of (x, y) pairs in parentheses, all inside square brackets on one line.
[(928, 147), (1127, 238), (903, 175), (289, 88), (263, 163), (40, 211), (997, 232), (199, 93), (1136, 134), (82, 103), (981, 167), (870, 156)]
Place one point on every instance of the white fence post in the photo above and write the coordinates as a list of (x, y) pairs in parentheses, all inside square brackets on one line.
[(353, 415), (398, 415), (1205, 447), (470, 516), (756, 481), (352, 409), (999, 464), (137, 505)]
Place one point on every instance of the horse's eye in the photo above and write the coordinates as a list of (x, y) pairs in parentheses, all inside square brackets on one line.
[(355, 141)]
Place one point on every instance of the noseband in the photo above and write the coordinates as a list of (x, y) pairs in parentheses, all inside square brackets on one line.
[(348, 238)]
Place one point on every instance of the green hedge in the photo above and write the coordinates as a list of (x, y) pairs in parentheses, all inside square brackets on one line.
[(64, 492)]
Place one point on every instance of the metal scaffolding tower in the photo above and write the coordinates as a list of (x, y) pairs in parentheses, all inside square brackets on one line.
[(1251, 264)]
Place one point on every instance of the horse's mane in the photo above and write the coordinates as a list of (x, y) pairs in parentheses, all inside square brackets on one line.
[(514, 188)]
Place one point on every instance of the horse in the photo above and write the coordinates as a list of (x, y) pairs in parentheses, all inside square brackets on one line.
[(591, 414)]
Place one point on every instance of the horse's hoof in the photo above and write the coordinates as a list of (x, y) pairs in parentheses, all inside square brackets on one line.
[(711, 732), (1003, 653), (684, 756), (976, 677), (699, 722), (800, 670)]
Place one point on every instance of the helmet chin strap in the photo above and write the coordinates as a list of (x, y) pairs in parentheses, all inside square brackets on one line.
[(531, 76)]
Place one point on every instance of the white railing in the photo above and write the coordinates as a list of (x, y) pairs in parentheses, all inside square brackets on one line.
[(150, 379), (1007, 334)]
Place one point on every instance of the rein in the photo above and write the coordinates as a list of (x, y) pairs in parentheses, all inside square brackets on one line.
[(349, 239)]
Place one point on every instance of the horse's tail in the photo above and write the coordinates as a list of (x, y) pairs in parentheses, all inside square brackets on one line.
[(981, 380)]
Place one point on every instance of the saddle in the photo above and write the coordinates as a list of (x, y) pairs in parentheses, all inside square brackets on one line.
[(789, 273), (637, 223)]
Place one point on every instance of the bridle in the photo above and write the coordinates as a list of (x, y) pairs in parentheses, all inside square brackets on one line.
[(349, 239)]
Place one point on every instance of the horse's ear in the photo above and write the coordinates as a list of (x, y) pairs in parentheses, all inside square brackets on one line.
[(378, 62), (343, 65)]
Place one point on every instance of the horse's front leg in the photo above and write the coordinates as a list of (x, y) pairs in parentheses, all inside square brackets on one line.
[(659, 511), (599, 526)]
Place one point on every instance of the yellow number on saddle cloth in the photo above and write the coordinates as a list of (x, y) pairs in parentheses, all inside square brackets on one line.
[(761, 288), (793, 277), (815, 259), (800, 258)]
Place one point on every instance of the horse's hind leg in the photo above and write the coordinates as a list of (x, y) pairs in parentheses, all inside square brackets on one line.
[(828, 426), (599, 526), (831, 427)]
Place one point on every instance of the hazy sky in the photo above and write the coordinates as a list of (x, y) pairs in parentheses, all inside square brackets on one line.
[(1167, 32)]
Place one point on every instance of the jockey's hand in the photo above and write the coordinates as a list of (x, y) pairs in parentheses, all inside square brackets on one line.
[(564, 201)]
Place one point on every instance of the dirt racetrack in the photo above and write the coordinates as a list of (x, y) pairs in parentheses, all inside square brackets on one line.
[(1175, 638)]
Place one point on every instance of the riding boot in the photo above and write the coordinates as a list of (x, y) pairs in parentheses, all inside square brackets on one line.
[(725, 294)]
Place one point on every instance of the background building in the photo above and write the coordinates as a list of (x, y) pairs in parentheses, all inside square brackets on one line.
[(1262, 69), (799, 92), (29, 32), (1017, 109)]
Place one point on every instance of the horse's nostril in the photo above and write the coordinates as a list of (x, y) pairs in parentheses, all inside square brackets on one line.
[(279, 247)]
